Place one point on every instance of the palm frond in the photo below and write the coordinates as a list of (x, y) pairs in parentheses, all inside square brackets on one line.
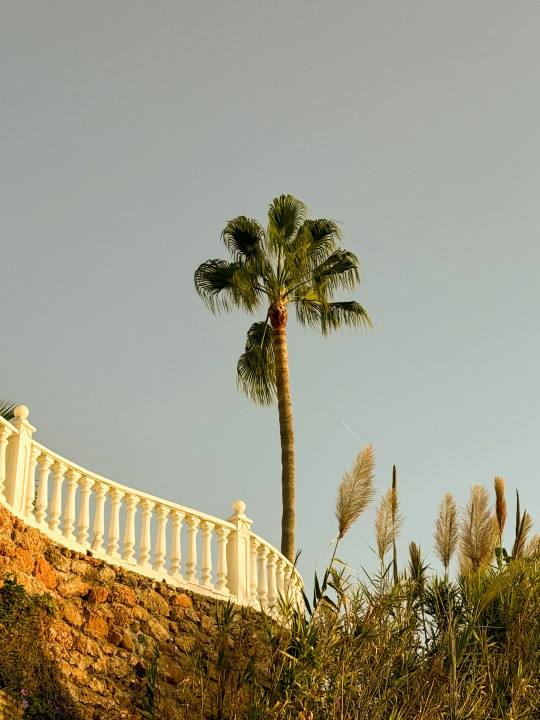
[(315, 241), (244, 239), (7, 409), (339, 270), (285, 218), (313, 312), (256, 370), (355, 490), (224, 285), (446, 531)]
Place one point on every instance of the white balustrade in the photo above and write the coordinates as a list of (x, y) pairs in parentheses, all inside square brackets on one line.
[(161, 540), (222, 533), (31, 482), (129, 532), (44, 463), (69, 511), (262, 587), (99, 518), (206, 565), (176, 551), (234, 562), (146, 543), (272, 587), (114, 523), (56, 502), (5, 432), (254, 556), (280, 577), (191, 563), (83, 525)]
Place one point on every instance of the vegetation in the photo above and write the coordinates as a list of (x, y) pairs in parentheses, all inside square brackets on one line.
[(26, 672), (295, 260), (422, 647), (7, 409)]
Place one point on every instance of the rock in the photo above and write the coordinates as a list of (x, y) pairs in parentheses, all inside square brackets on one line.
[(60, 634), (127, 642), (140, 613), (123, 594), (185, 643), (97, 685), (106, 573), (81, 567), (73, 588), (181, 600), (167, 647), (175, 674), (154, 603), (156, 630), (96, 627), (86, 646), (44, 573), (78, 675), (98, 594), (122, 615), (115, 636), (72, 615)]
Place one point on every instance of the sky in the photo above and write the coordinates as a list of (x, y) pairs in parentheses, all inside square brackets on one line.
[(131, 132)]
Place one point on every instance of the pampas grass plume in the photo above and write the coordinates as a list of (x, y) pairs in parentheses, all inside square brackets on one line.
[(355, 490)]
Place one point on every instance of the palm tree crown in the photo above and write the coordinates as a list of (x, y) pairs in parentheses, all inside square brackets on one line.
[(295, 260)]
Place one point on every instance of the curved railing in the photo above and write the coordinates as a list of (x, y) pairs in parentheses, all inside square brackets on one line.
[(89, 513)]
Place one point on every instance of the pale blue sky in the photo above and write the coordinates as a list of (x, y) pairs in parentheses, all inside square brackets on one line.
[(132, 131)]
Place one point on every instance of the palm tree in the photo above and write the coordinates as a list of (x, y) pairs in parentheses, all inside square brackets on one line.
[(7, 409), (295, 260)]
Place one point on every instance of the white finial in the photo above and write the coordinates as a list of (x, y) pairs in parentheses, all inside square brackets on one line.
[(239, 506), (21, 412)]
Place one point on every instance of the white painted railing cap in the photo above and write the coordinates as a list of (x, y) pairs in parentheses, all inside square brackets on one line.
[(239, 506), (21, 411)]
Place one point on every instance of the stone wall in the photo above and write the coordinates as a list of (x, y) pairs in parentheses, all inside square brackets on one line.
[(107, 624)]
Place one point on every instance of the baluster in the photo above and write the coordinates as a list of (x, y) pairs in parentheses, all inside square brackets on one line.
[(254, 553), (287, 582), (272, 591), (45, 463), (146, 543), (31, 482), (99, 518), (222, 533), (69, 511), (191, 563), (298, 591), (4, 434), (161, 540), (84, 511), (263, 578), (176, 550), (280, 567), (206, 565), (129, 532), (56, 503), (116, 496)]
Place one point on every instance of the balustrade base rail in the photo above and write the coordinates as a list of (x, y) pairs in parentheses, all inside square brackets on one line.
[(89, 513)]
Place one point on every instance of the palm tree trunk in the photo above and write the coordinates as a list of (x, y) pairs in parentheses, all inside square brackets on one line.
[(278, 318)]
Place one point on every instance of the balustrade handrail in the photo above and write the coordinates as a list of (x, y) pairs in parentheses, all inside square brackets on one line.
[(249, 570), (70, 465)]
